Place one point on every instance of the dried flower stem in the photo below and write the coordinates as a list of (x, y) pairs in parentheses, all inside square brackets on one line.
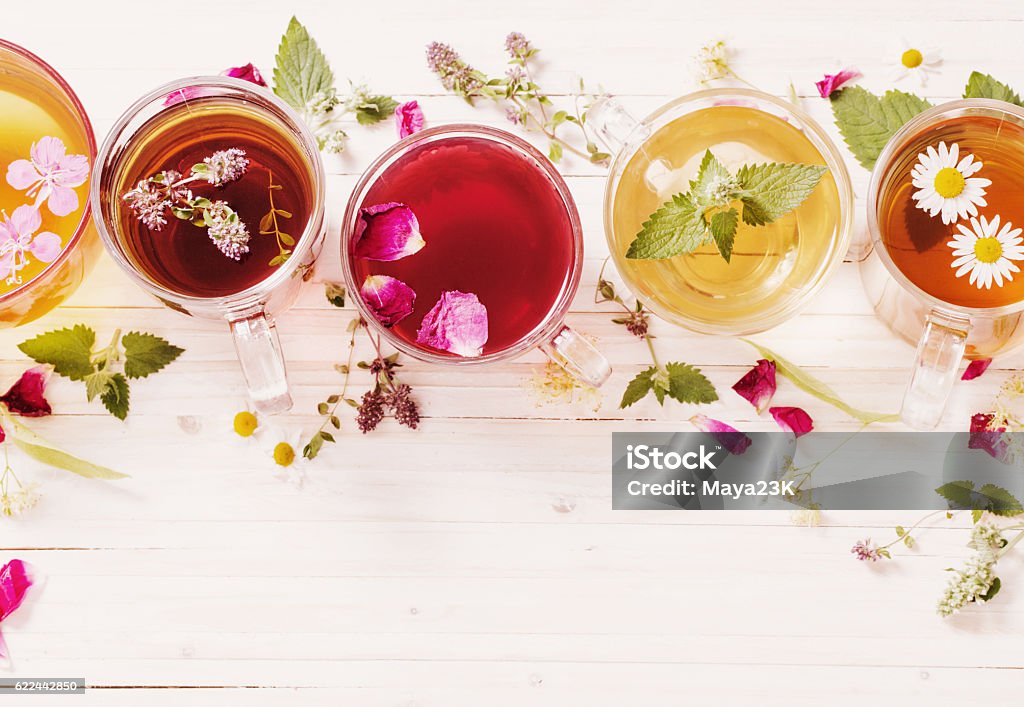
[(329, 407), (269, 225)]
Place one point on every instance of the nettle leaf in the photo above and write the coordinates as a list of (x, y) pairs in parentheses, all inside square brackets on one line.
[(44, 452), (1000, 501), (302, 70), (639, 387), (145, 354), (981, 85), (97, 383), (115, 397), (867, 121), (69, 351), (688, 385), (960, 494), (674, 229), (723, 227), (773, 190)]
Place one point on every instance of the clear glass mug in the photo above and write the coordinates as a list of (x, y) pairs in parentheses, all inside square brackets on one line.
[(24, 72), (767, 298), (250, 312), (561, 343), (945, 333)]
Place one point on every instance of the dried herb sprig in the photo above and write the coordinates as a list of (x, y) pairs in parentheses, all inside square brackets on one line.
[(269, 226), (328, 408)]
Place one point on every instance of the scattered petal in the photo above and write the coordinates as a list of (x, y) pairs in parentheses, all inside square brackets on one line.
[(457, 323), (409, 118), (729, 437), (25, 397), (15, 580), (247, 73), (390, 299), (793, 419), (758, 385), (984, 436), (975, 368), (387, 232), (833, 82)]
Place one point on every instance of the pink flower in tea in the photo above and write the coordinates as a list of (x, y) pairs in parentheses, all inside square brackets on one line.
[(247, 73), (457, 323), (833, 82), (792, 419), (387, 232), (409, 119), (758, 385), (390, 299), (734, 441), (18, 237), (15, 580), (975, 368), (26, 397), (50, 175), (990, 439)]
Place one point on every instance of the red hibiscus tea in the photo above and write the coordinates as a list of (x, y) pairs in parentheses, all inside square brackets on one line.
[(492, 231)]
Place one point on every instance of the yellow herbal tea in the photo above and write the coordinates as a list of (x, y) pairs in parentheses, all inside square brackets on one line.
[(771, 265)]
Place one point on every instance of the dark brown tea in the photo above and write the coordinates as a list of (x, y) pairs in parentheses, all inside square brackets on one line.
[(198, 231)]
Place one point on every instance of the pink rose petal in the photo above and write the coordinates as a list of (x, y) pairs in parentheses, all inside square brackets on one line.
[(15, 580), (833, 82), (26, 397), (387, 232), (975, 368), (409, 119), (22, 174), (990, 440), (390, 299), (729, 437), (457, 323), (247, 73), (792, 419), (758, 385)]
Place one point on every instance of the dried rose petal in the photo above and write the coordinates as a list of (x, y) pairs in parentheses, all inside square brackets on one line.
[(390, 299), (15, 580), (457, 323), (409, 118), (25, 397), (794, 420), (729, 437), (247, 73), (758, 385), (975, 368), (387, 232), (833, 82), (984, 437)]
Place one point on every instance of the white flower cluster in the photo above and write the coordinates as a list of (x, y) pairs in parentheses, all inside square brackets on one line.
[(974, 582)]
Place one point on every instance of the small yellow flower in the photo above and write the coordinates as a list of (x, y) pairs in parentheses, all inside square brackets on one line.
[(245, 424), (284, 454), (912, 60)]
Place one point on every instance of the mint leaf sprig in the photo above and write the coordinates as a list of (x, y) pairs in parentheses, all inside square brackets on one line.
[(106, 371), (679, 381), (708, 212)]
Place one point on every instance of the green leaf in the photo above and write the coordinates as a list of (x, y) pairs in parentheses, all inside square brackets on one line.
[(672, 230), (809, 384), (42, 451), (335, 294), (773, 190), (960, 494), (688, 385), (555, 152), (723, 229), (115, 398), (1000, 501), (710, 175), (867, 121), (993, 589), (67, 350), (638, 388), (145, 354), (302, 70), (375, 109), (976, 515), (312, 448), (97, 383), (981, 85)]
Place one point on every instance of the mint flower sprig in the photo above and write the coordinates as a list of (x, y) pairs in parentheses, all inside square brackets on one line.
[(524, 102), (708, 212)]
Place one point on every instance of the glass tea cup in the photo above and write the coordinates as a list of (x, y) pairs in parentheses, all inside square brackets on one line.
[(209, 194), (44, 134), (775, 269), (498, 223), (920, 276)]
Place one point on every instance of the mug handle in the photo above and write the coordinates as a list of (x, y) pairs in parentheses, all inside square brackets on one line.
[(939, 353), (259, 352), (578, 356), (613, 124)]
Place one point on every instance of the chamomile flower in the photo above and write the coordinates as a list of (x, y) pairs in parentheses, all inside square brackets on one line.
[(987, 251), (915, 61), (946, 183), (285, 450)]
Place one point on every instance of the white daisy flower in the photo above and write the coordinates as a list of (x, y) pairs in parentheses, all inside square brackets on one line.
[(946, 184), (987, 251), (914, 61), (284, 447)]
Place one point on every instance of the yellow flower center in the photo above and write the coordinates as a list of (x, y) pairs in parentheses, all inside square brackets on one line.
[(245, 424), (988, 250), (284, 455), (949, 182), (912, 58)]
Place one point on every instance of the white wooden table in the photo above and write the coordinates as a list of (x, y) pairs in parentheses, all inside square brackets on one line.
[(478, 561)]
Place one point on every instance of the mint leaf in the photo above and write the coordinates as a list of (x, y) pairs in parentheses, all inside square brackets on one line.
[(867, 121), (960, 494), (688, 385), (639, 387), (672, 230), (115, 398), (146, 353), (69, 351), (773, 190), (723, 229), (981, 85), (375, 109), (712, 177), (302, 70)]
